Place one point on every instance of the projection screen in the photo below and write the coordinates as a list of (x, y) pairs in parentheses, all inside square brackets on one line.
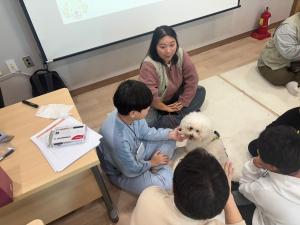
[(63, 28)]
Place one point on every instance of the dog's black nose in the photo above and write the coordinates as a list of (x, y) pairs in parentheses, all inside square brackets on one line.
[(191, 136)]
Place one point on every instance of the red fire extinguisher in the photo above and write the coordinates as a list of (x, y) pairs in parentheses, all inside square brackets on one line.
[(262, 31)]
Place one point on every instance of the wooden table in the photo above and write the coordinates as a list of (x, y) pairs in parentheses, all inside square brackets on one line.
[(39, 192)]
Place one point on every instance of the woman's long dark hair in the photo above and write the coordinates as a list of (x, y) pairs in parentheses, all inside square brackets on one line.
[(158, 34)]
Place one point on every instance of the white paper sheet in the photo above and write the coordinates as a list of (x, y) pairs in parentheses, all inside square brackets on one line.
[(54, 111), (61, 157)]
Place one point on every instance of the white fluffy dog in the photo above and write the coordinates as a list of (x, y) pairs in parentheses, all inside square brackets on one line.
[(198, 129)]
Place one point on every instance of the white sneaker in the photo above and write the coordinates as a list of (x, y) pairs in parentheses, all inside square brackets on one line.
[(293, 88)]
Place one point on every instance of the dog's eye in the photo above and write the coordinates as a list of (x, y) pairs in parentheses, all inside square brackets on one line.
[(197, 131), (190, 128)]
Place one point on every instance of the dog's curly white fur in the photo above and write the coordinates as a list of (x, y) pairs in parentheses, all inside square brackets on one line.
[(198, 129)]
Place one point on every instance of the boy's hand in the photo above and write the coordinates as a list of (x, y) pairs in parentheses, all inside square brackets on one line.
[(176, 135), (158, 159)]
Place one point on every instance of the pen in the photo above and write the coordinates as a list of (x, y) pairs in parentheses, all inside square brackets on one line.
[(62, 143), (7, 153), (30, 104)]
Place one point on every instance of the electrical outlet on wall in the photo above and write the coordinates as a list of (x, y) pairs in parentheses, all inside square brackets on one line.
[(12, 66), (28, 61)]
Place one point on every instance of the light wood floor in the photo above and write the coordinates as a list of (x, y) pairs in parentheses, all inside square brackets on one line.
[(94, 105)]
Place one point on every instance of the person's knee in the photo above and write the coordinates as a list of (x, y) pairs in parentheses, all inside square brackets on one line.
[(163, 178), (276, 77), (168, 148), (278, 82), (197, 100), (168, 121), (201, 92), (151, 118)]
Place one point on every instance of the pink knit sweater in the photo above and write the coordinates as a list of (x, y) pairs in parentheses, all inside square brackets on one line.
[(188, 77)]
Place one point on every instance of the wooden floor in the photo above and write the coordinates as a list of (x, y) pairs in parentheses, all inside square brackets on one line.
[(94, 105)]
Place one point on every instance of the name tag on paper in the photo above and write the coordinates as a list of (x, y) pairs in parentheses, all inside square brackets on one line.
[(140, 154)]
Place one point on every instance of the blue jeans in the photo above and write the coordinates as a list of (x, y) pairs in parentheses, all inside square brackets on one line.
[(159, 119), (162, 177)]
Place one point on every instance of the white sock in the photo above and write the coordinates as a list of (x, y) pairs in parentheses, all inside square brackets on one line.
[(293, 88)]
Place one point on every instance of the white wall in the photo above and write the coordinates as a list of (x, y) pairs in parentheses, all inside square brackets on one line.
[(17, 41)]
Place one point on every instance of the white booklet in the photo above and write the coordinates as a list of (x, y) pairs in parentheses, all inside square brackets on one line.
[(61, 157)]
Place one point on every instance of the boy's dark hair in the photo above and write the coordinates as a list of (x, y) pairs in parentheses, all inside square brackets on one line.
[(280, 147), (200, 185), (158, 34), (132, 95)]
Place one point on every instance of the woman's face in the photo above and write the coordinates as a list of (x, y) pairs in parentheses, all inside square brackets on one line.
[(166, 48)]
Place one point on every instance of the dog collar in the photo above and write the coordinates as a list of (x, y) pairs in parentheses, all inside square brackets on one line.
[(215, 137)]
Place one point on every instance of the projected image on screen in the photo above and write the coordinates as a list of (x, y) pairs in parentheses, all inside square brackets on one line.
[(77, 26), (72, 11)]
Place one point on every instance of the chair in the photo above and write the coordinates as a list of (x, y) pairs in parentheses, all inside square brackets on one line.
[(111, 208)]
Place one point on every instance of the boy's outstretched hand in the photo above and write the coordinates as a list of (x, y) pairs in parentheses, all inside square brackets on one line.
[(232, 214), (176, 135)]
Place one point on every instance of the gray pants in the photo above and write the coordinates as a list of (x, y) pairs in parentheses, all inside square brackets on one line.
[(279, 77), (159, 119)]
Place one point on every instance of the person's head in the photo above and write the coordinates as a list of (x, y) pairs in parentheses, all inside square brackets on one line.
[(164, 45), (200, 185), (133, 98), (280, 148)]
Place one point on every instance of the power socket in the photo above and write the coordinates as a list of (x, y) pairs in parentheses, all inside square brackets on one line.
[(12, 66), (28, 61)]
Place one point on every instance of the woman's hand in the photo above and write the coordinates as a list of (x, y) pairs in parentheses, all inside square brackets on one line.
[(176, 135), (158, 159), (175, 107)]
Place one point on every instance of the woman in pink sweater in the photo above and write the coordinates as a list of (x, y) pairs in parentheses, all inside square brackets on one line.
[(172, 78)]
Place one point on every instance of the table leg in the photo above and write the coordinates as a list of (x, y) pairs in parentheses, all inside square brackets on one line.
[(111, 209), (1, 100)]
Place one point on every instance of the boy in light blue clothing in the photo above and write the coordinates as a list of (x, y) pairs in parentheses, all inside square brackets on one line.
[(133, 155)]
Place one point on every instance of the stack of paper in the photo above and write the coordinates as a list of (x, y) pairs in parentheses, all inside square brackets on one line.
[(61, 157)]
